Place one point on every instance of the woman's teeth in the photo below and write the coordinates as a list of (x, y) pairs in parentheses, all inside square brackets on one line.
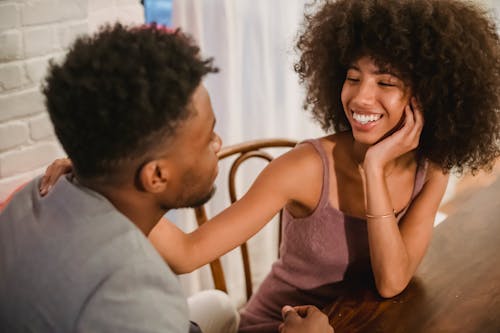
[(365, 118)]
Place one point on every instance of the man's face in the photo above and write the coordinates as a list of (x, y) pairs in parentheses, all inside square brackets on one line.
[(194, 154)]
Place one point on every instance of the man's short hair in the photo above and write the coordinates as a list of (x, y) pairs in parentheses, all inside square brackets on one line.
[(121, 90)]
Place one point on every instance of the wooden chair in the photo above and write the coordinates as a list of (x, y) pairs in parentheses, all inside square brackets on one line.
[(243, 152)]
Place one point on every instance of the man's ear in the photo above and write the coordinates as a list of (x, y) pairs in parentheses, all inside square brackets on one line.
[(155, 176)]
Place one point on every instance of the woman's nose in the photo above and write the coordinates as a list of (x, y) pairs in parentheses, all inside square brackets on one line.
[(365, 94), (217, 143)]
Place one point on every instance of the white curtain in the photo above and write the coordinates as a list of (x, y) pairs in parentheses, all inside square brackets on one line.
[(255, 95)]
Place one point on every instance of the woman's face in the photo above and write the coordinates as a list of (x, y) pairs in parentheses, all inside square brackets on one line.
[(374, 100)]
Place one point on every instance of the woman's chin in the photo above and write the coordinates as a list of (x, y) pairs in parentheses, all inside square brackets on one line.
[(367, 139)]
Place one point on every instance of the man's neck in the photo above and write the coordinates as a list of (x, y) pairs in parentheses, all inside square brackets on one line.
[(138, 207)]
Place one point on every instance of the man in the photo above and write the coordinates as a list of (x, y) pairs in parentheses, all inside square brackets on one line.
[(130, 111)]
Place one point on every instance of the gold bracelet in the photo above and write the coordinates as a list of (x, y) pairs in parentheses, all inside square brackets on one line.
[(370, 216)]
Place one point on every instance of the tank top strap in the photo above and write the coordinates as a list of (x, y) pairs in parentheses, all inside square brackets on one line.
[(324, 198), (417, 185), (420, 177)]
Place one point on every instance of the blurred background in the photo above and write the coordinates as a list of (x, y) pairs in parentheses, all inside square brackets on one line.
[(255, 95)]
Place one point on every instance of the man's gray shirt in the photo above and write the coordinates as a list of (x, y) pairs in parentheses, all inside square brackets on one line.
[(70, 262)]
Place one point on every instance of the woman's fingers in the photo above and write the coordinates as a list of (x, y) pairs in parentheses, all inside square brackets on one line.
[(55, 170), (44, 186), (46, 182), (403, 140), (418, 114), (410, 133), (418, 123)]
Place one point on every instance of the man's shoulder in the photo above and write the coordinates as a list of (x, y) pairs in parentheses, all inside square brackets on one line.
[(141, 293), (70, 248), (20, 202)]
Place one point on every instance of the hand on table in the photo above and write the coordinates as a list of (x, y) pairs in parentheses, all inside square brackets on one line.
[(304, 319)]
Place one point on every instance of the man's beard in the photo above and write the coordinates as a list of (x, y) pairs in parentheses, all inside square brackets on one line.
[(192, 202), (202, 200)]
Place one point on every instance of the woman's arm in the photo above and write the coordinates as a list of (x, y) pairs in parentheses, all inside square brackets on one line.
[(294, 176), (396, 250), (288, 177)]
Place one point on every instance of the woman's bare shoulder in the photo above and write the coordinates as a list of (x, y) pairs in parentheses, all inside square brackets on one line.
[(435, 172), (305, 157), (306, 166)]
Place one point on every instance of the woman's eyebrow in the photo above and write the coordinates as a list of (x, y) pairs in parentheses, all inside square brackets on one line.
[(384, 71), (387, 70), (378, 71)]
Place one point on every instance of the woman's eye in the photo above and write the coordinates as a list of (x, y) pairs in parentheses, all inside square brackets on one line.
[(386, 84), (352, 79)]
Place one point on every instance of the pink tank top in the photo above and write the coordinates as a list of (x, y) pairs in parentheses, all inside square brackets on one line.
[(322, 247), (316, 252)]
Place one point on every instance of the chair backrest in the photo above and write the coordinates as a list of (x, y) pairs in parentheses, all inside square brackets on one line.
[(243, 152)]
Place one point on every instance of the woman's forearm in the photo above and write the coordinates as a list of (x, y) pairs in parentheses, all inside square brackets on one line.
[(389, 258), (174, 245)]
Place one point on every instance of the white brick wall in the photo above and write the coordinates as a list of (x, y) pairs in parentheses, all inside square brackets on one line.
[(31, 33), (39, 12), (9, 16), (12, 47), (39, 41), (11, 76), (13, 134)]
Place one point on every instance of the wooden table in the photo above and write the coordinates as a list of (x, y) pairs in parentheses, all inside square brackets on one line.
[(455, 289)]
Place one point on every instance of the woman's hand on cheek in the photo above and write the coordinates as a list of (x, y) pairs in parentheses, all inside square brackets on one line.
[(398, 143)]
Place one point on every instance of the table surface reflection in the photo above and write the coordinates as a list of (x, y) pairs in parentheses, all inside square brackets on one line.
[(455, 289)]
